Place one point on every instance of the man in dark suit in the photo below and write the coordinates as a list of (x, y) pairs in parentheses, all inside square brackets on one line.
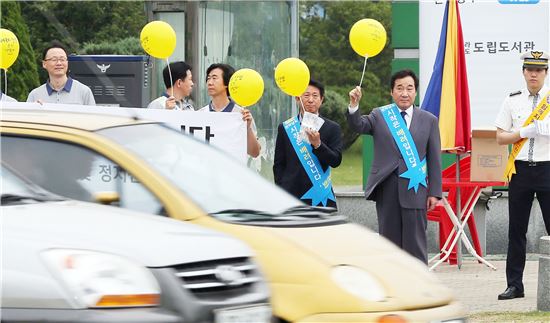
[(405, 178), (302, 168)]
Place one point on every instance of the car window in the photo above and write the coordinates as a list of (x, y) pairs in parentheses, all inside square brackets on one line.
[(75, 172), (211, 178), (13, 185)]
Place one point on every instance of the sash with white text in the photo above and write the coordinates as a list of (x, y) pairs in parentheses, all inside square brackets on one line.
[(416, 169), (321, 189), (539, 113)]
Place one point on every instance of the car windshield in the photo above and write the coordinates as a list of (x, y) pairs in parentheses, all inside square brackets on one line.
[(216, 181), (14, 190)]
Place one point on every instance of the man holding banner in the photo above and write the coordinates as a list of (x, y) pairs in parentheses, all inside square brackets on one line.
[(303, 168), (405, 178), (178, 80), (523, 121), (217, 83)]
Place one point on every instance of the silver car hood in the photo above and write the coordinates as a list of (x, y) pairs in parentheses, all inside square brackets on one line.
[(153, 241)]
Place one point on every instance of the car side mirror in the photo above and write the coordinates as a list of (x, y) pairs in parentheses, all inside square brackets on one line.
[(107, 198)]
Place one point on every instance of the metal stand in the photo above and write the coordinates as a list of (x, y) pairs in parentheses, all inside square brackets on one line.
[(460, 235)]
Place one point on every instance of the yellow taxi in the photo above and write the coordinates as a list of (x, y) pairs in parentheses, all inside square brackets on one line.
[(320, 268)]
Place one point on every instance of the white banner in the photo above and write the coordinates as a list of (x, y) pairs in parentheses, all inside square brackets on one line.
[(496, 34), (227, 131)]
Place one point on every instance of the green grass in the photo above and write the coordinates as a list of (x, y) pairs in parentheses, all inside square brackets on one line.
[(505, 317), (350, 171)]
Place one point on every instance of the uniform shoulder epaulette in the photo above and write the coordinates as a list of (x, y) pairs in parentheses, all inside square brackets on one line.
[(515, 93)]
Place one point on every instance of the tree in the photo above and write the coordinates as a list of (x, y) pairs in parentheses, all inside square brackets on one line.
[(23, 74), (324, 46), (76, 23)]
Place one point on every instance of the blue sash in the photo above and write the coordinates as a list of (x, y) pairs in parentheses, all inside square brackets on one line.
[(321, 189), (416, 169)]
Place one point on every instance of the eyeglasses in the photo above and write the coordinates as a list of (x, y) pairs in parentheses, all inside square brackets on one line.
[(56, 59)]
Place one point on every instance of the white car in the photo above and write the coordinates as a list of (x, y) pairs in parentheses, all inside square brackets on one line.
[(69, 261)]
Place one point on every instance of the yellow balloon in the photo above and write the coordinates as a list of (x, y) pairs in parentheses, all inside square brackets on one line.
[(246, 87), (292, 76), (158, 39), (9, 48), (367, 37)]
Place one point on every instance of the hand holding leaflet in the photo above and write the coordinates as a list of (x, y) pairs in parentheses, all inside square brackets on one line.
[(310, 121)]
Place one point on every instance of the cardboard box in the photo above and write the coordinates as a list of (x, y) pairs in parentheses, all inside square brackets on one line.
[(489, 159)]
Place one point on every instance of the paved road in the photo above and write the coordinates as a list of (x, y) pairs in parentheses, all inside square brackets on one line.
[(477, 286)]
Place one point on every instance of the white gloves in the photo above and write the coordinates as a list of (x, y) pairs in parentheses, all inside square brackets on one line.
[(529, 131)]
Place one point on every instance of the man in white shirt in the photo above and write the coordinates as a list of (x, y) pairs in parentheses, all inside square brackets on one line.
[(60, 88), (532, 164), (178, 80), (217, 81)]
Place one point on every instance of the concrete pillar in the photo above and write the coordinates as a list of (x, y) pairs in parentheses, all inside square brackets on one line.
[(543, 288)]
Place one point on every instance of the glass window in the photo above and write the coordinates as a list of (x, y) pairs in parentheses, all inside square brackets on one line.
[(211, 178), (246, 34), (11, 184), (75, 172)]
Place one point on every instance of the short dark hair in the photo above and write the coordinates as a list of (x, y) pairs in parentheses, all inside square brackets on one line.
[(319, 86), (227, 70), (524, 67), (178, 71), (402, 74), (54, 44)]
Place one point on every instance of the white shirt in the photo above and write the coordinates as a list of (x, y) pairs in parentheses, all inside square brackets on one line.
[(408, 116), (160, 103), (512, 115), (6, 98)]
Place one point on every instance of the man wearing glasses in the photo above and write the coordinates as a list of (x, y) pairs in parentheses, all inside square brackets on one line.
[(179, 84), (59, 88)]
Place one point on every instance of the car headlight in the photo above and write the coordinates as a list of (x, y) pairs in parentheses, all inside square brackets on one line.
[(358, 282), (98, 279)]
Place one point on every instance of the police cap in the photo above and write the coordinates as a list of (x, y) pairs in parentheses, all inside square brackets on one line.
[(535, 59)]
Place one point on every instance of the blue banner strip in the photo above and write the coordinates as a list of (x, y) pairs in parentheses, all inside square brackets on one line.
[(321, 189), (416, 169)]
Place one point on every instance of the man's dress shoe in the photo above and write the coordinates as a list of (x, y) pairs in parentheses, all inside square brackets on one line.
[(511, 293)]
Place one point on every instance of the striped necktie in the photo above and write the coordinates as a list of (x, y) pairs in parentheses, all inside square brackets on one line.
[(403, 114), (532, 140)]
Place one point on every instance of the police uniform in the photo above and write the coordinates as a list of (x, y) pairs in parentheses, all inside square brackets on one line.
[(532, 175)]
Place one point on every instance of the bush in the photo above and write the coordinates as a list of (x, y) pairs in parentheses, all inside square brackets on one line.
[(125, 46)]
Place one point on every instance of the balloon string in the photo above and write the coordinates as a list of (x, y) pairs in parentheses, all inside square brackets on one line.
[(5, 81), (170, 73), (364, 66), (302, 106)]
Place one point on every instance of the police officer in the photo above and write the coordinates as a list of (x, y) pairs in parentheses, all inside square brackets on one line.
[(532, 164)]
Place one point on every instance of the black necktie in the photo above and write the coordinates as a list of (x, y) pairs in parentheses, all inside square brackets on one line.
[(403, 114)]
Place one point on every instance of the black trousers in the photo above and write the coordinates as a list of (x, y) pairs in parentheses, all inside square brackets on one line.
[(524, 185), (404, 227)]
